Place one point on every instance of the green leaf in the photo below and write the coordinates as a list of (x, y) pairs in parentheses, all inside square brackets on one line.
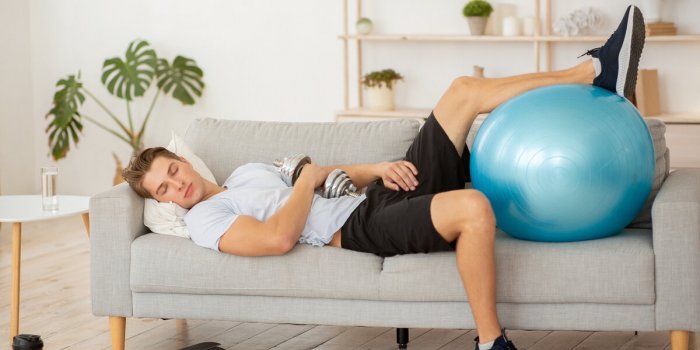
[(184, 75), (64, 116), (385, 76), (478, 8), (132, 76)]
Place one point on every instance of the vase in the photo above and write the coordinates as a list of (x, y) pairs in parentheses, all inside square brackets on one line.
[(380, 98), (511, 26), (476, 24), (652, 10), (494, 24)]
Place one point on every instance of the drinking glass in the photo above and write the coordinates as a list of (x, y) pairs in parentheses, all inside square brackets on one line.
[(49, 193)]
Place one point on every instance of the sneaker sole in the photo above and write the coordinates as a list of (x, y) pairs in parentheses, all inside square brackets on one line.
[(631, 51)]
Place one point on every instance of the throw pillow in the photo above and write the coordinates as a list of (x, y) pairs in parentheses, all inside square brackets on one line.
[(168, 218)]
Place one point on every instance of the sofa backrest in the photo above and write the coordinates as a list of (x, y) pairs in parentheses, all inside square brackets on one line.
[(658, 131), (226, 144)]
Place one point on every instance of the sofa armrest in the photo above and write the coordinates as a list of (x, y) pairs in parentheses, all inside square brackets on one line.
[(676, 236), (116, 220)]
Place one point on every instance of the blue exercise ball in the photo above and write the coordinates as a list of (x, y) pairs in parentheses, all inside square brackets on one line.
[(564, 163)]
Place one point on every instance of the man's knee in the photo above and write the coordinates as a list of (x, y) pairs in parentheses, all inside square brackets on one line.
[(465, 86), (477, 210)]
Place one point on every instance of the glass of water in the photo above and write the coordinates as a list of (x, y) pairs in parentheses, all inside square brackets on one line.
[(49, 194)]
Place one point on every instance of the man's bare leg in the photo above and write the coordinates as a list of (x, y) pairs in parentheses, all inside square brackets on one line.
[(474, 228), (467, 97), (617, 62), (455, 112)]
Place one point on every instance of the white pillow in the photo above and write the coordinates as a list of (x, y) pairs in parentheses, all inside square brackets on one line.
[(168, 218)]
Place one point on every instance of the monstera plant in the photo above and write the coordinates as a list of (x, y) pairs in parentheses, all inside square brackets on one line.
[(126, 78)]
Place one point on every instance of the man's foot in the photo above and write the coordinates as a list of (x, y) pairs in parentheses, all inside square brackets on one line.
[(617, 61), (500, 343)]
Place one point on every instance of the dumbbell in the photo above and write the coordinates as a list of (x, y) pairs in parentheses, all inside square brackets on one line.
[(337, 183), (290, 167)]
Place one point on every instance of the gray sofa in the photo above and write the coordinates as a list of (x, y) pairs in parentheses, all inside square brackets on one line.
[(646, 278)]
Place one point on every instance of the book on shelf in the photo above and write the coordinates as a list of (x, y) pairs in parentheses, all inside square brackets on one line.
[(646, 95), (661, 28)]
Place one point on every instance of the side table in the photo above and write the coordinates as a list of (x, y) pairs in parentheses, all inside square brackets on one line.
[(26, 208)]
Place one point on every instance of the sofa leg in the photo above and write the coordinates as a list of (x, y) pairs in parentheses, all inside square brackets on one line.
[(679, 340), (117, 326), (402, 338)]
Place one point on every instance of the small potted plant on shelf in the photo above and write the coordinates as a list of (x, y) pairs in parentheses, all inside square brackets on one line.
[(380, 89), (477, 12), (363, 26)]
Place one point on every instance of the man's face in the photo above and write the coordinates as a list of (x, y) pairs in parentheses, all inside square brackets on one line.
[(174, 180)]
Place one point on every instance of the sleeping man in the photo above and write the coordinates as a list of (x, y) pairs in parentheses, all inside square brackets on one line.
[(415, 205)]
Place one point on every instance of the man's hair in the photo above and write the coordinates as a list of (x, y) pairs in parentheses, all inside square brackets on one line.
[(140, 165)]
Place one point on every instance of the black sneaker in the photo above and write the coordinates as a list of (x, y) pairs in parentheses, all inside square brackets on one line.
[(619, 57), (501, 343)]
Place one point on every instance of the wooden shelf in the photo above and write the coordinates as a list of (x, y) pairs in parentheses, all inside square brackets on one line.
[(678, 118), (397, 113), (497, 38), (653, 38), (437, 37), (668, 118)]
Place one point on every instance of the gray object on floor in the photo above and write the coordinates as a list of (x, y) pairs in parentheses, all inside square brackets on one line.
[(204, 346)]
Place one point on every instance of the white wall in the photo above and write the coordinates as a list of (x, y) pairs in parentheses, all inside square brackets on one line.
[(263, 60), (278, 60), (16, 118)]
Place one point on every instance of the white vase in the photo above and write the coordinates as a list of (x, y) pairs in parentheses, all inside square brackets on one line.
[(511, 26), (494, 25), (651, 10), (380, 98), (476, 24)]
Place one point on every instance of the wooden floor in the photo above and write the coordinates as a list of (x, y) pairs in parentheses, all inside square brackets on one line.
[(55, 303)]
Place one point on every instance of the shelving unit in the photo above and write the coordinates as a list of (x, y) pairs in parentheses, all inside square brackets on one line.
[(542, 41)]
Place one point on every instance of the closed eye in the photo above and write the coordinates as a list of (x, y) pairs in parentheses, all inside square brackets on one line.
[(172, 170)]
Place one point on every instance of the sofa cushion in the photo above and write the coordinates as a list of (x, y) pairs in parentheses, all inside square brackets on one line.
[(170, 264), (225, 145), (617, 269), (657, 128)]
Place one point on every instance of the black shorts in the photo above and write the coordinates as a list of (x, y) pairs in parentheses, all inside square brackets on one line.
[(392, 222)]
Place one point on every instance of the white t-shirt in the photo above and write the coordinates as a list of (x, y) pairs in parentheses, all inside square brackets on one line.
[(257, 190)]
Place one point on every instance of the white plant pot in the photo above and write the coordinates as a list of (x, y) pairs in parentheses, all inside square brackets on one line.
[(380, 98), (477, 24)]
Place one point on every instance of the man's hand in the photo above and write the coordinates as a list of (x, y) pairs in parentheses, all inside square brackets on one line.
[(399, 175), (315, 174)]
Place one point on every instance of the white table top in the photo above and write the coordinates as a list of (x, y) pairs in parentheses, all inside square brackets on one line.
[(26, 208)]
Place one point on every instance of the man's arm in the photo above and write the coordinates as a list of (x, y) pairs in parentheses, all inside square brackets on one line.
[(361, 175), (398, 175), (281, 231)]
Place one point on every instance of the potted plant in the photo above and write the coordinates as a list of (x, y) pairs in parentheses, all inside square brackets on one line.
[(363, 26), (380, 89), (477, 12), (126, 79)]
